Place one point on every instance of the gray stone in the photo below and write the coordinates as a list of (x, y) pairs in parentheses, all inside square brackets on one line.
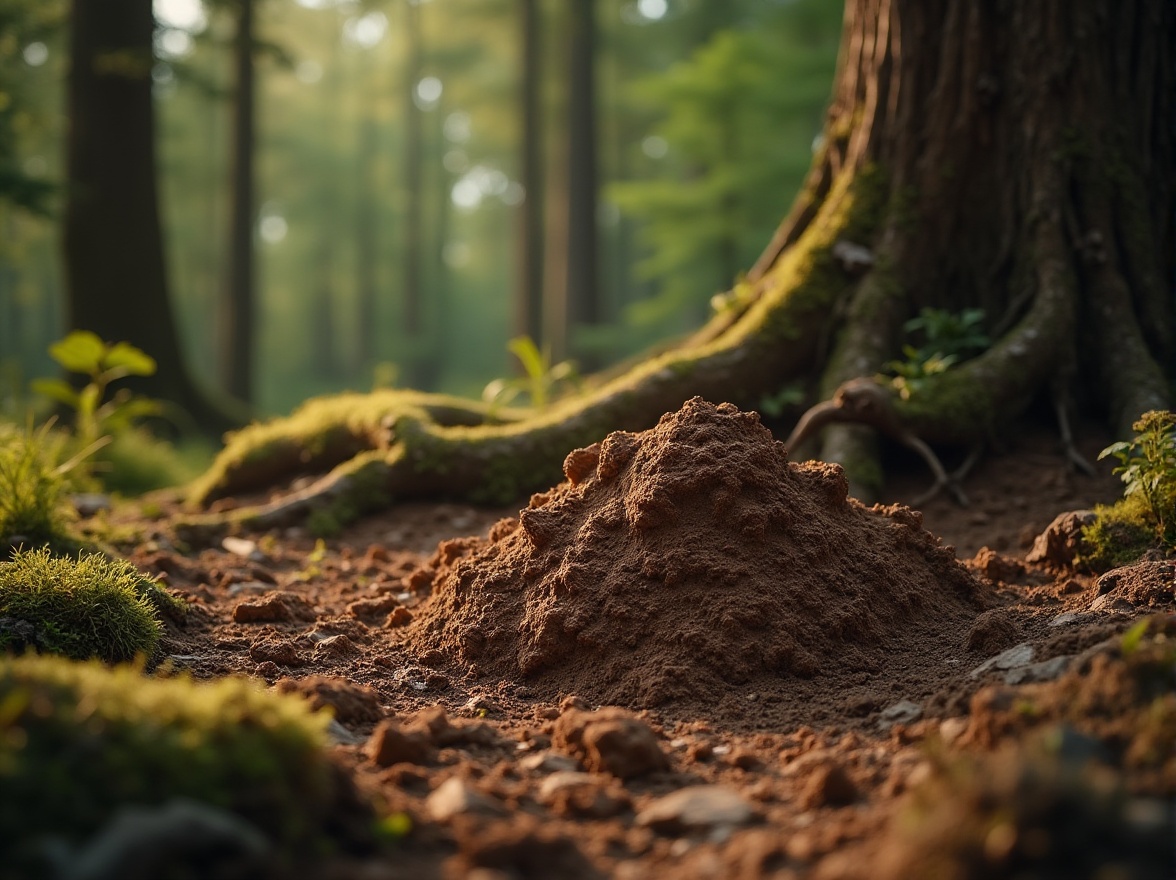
[(1046, 670), (341, 735), (1018, 655), (902, 712), (549, 762), (696, 808)]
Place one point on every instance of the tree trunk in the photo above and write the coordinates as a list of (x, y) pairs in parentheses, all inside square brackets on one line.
[(1013, 157), (528, 299), (414, 242), (238, 307), (116, 283), (583, 290)]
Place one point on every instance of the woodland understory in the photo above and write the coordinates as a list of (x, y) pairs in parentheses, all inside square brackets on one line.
[(972, 171)]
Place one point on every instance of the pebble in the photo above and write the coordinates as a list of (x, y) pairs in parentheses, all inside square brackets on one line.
[(1018, 655), (244, 548), (390, 744), (611, 740), (548, 762), (902, 712), (694, 808), (1046, 670), (456, 797)]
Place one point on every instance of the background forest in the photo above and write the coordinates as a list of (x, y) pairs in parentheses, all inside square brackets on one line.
[(392, 144)]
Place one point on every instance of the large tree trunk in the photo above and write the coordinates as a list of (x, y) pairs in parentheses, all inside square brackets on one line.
[(528, 297), (1014, 157), (116, 283)]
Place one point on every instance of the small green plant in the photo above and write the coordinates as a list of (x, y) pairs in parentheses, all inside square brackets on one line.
[(947, 338), (542, 379), (33, 510), (1147, 465), (84, 607), (96, 418), (78, 741)]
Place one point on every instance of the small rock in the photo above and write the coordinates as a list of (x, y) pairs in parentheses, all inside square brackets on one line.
[(1046, 670), (371, 608), (244, 548), (1018, 655), (1070, 617), (571, 793), (696, 808), (829, 786), (549, 762), (456, 797), (390, 744), (1061, 541), (902, 712), (268, 670), (89, 503), (610, 740)]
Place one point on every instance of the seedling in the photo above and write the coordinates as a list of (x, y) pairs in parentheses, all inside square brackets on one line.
[(96, 418), (542, 378)]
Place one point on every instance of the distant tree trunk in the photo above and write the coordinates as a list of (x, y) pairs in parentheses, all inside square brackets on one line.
[(583, 287), (116, 283), (238, 307), (366, 249), (412, 325), (528, 300)]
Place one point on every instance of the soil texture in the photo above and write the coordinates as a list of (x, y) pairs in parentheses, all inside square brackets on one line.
[(696, 658)]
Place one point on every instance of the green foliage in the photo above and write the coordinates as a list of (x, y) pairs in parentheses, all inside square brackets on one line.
[(946, 338), (79, 740), (84, 607), (542, 380), (740, 118), (1147, 465), (32, 504), (135, 463)]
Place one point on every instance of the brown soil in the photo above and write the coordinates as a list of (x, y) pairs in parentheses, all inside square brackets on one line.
[(788, 665)]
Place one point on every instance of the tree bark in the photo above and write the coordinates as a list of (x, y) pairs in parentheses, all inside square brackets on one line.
[(1012, 157), (116, 281), (238, 307)]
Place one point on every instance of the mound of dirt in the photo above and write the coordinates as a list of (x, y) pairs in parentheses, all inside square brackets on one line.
[(679, 562)]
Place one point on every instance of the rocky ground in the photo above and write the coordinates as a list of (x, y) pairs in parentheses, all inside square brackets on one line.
[(700, 665)]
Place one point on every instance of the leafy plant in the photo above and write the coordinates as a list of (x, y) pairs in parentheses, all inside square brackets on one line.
[(541, 381), (84, 607), (1147, 465), (96, 418), (80, 741), (947, 338)]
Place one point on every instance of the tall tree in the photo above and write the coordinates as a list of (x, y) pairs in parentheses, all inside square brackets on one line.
[(413, 323), (238, 307), (528, 299), (116, 283), (1014, 158), (583, 291)]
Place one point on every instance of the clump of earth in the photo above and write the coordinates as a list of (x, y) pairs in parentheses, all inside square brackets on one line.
[(679, 562)]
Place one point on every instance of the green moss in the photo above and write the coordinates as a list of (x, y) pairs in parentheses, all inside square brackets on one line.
[(77, 741), (84, 607), (1122, 533)]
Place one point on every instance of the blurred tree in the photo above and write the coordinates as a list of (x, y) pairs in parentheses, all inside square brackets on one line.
[(528, 298), (116, 283), (237, 308), (966, 162)]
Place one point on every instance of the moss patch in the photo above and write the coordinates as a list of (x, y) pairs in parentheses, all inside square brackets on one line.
[(1123, 532), (77, 741), (84, 607), (32, 505)]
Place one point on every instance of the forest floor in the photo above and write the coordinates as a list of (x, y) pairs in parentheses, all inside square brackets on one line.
[(774, 730)]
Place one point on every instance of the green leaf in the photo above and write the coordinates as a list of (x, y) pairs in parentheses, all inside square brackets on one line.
[(88, 402), (1114, 449), (56, 389), (1131, 639), (524, 348), (79, 352), (133, 361)]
